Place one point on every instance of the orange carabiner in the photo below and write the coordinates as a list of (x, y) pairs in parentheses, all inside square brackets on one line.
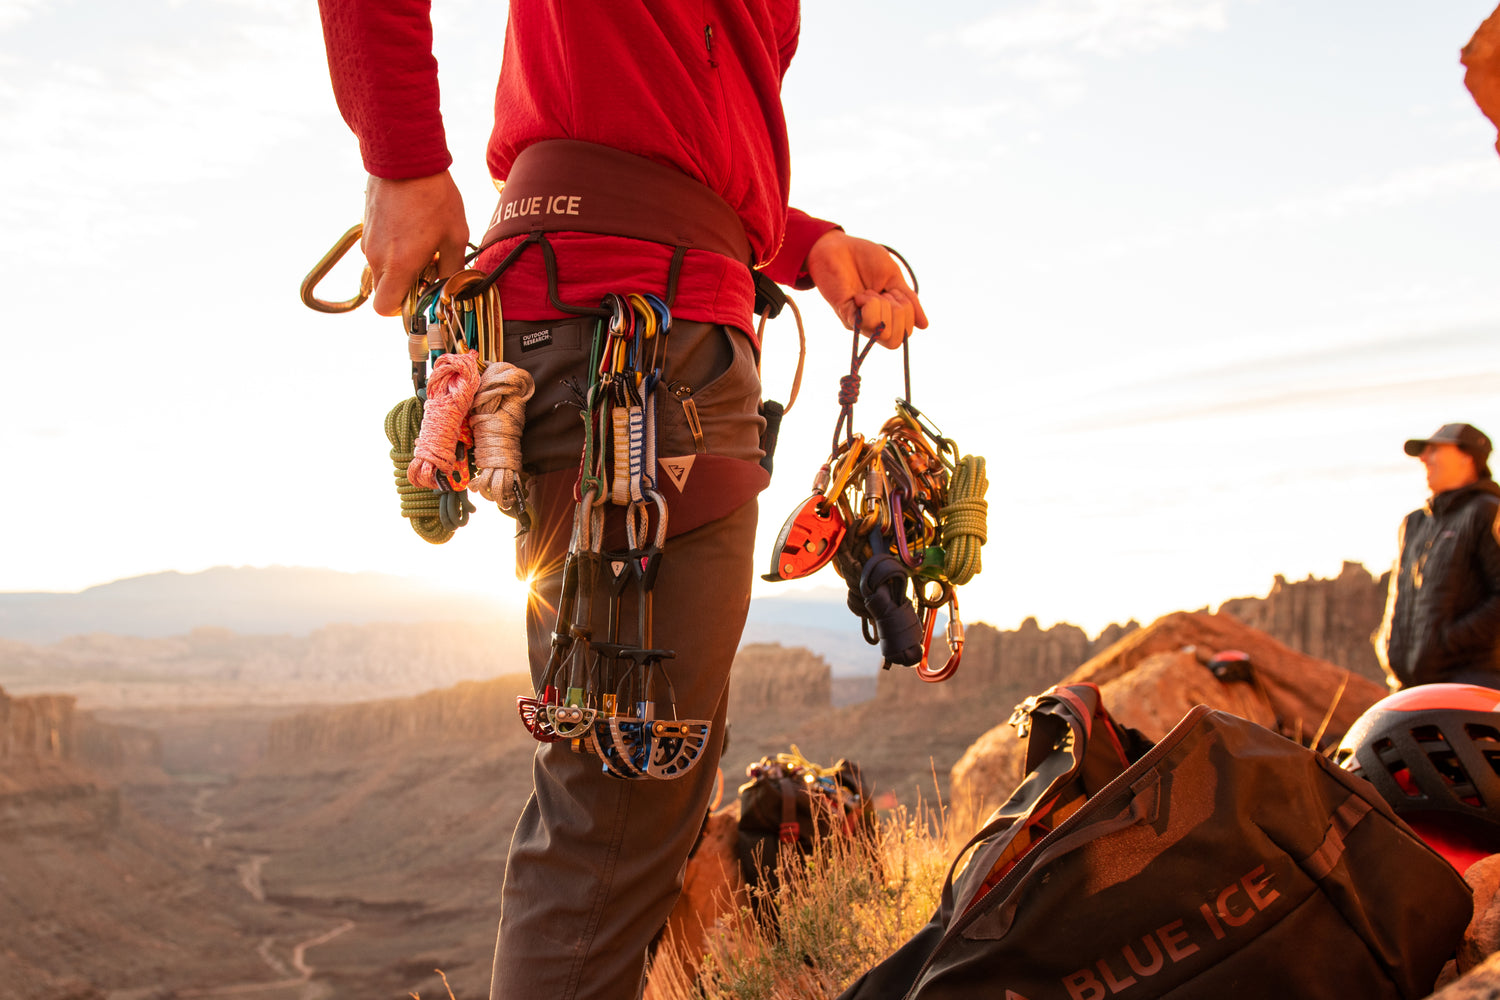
[(955, 638)]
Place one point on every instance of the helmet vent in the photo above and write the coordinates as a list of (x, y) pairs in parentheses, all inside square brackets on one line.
[(1487, 741)]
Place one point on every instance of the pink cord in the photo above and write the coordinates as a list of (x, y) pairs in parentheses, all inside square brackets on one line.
[(450, 392)]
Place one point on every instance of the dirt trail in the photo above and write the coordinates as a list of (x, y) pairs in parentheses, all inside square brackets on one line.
[(211, 821), (302, 982), (249, 870), (298, 984)]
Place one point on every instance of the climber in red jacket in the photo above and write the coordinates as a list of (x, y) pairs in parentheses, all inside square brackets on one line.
[(647, 142)]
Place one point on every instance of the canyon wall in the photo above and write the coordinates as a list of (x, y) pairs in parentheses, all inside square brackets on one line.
[(770, 677), (44, 788), (1329, 620), (470, 710), (767, 679), (39, 726)]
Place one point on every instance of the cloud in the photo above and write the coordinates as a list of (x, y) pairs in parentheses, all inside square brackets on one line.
[(1407, 186), (1320, 398), (113, 126), (14, 12), (1105, 27)]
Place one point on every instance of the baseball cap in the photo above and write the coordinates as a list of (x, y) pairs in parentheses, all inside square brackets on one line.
[(1470, 439)]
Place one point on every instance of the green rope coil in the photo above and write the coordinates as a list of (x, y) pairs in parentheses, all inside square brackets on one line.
[(963, 519), (418, 504)]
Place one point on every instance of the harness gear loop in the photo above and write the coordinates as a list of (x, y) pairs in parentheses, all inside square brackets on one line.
[(760, 338)]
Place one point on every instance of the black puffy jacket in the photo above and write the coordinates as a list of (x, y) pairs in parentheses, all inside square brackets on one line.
[(1442, 614)]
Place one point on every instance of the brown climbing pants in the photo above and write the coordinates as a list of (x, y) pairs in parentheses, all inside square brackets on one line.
[(596, 862)]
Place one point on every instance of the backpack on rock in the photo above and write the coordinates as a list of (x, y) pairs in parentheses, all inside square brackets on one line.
[(789, 802)]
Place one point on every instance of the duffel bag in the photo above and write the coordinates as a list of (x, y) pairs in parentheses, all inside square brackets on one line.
[(1224, 861)]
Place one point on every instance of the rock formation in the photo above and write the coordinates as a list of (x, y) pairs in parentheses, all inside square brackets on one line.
[(1005, 666), (769, 677), (1330, 620), (470, 710), (1152, 677), (37, 726), (1481, 57), (47, 750)]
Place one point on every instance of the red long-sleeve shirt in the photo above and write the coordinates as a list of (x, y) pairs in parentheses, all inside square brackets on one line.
[(691, 85)]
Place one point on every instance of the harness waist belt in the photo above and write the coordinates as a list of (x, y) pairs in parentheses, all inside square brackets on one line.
[(564, 185)]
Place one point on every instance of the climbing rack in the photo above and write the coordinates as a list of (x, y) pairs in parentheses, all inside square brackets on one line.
[(460, 430), (602, 693), (901, 517)]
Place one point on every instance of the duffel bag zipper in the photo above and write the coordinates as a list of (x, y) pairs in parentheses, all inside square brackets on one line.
[(1024, 866)]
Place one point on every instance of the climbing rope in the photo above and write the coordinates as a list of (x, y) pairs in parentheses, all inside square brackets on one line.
[(498, 416), (963, 520), (450, 393), (418, 504)]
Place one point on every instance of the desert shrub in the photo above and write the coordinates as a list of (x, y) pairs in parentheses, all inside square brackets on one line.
[(835, 913)]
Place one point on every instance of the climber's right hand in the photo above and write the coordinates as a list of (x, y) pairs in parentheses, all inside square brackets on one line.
[(406, 222)]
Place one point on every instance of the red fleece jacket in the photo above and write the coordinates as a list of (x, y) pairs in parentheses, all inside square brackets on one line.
[(692, 85)]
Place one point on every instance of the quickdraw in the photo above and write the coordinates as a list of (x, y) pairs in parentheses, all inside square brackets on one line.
[(901, 518), (603, 694)]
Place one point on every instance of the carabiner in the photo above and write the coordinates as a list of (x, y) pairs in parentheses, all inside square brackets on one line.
[(955, 639), (321, 269), (844, 464)]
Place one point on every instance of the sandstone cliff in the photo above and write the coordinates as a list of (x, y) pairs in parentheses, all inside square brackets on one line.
[(48, 753), (1000, 663), (1152, 677), (770, 677), (1331, 620), (38, 726), (1481, 57), (467, 711)]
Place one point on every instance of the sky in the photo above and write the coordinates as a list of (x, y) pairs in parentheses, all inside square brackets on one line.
[(1194, 269)]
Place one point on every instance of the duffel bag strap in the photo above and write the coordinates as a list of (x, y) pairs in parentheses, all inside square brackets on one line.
[(791, 830), (1073, 748)]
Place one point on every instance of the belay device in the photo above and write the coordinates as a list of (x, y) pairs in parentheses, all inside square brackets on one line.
[(899, 510)]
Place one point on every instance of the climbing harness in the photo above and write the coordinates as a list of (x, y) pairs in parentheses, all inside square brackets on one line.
[(901, 510), (608, 693)]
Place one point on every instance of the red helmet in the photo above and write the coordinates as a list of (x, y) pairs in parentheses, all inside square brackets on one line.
[(1433, 753)]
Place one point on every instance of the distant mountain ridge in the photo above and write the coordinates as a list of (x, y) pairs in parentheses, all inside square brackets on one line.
[(276, 600), (298, 601)]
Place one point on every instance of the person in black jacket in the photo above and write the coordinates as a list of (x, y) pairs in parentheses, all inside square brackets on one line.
[(1442, 613)]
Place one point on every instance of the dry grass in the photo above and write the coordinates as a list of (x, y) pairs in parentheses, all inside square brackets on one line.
[(837, 913), (440, 972)]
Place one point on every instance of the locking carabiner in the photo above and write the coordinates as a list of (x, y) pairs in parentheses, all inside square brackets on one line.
[(955, 639)]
